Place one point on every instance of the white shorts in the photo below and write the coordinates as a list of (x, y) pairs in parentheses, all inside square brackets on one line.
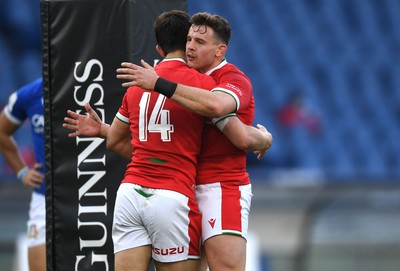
[(165, 219), (37, 220), (225, 208)]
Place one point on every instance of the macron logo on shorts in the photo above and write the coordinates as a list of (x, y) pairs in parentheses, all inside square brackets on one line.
[(212, 222)]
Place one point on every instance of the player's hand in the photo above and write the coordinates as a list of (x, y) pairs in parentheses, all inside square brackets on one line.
[(83, 125), (144, 77), (269, 139), (33, 178)]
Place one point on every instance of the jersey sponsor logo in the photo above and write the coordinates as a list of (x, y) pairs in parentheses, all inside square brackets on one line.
[(37, 121), (168, 251), (212, 222)]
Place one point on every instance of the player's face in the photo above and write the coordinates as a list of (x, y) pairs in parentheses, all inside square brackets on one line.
[(202, 48)]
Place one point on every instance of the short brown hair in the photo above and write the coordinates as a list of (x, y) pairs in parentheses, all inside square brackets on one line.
[(219, 24)]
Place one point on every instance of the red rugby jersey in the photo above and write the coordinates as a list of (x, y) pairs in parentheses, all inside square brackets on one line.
[(166, 137), (219, 159)]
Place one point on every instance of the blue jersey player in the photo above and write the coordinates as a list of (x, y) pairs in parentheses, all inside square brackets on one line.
[(27, 103)]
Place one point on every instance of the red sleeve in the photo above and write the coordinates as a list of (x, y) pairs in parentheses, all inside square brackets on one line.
[(236, 84)]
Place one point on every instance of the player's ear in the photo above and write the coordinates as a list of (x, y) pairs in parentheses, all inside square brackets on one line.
[(160, 50), (222, 48)]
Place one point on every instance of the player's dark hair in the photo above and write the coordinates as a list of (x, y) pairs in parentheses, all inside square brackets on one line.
[(219, 24), (171, 30)]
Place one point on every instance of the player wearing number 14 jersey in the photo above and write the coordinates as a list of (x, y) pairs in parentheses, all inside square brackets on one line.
[(156, 214), (166, 140), (166, 136)]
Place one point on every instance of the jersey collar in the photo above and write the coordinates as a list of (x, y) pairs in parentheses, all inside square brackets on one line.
[(174, 59), (223, 63)]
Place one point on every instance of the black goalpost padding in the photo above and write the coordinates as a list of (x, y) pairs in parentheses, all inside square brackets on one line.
[(83, 43)]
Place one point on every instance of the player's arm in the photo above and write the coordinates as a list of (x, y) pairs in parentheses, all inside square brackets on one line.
[(119, 138), (8, 147), (205, 103), (245, 137)]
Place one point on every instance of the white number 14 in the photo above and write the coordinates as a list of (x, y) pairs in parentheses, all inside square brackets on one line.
[(159, 121)]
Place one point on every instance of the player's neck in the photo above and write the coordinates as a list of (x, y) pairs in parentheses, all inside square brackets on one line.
[(176, 54)]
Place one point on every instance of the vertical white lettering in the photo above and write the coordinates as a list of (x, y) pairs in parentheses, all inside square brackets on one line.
[(94, 226), (85, 92), (100, 258), (92, 209), (96, 258), (83, 156), (87, 69), (89, 93), (96, 176)]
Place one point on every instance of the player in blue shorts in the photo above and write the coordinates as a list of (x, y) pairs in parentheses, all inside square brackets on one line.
[(27, 103)]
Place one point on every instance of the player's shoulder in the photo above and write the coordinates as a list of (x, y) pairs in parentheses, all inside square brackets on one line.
[(231, 73), (28, 94), (197, 79), (169, 64), (31, 90), (230, 68), (178, 71), (225, 68)]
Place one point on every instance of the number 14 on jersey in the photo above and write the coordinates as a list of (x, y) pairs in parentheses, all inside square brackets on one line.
[(159, 121)]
